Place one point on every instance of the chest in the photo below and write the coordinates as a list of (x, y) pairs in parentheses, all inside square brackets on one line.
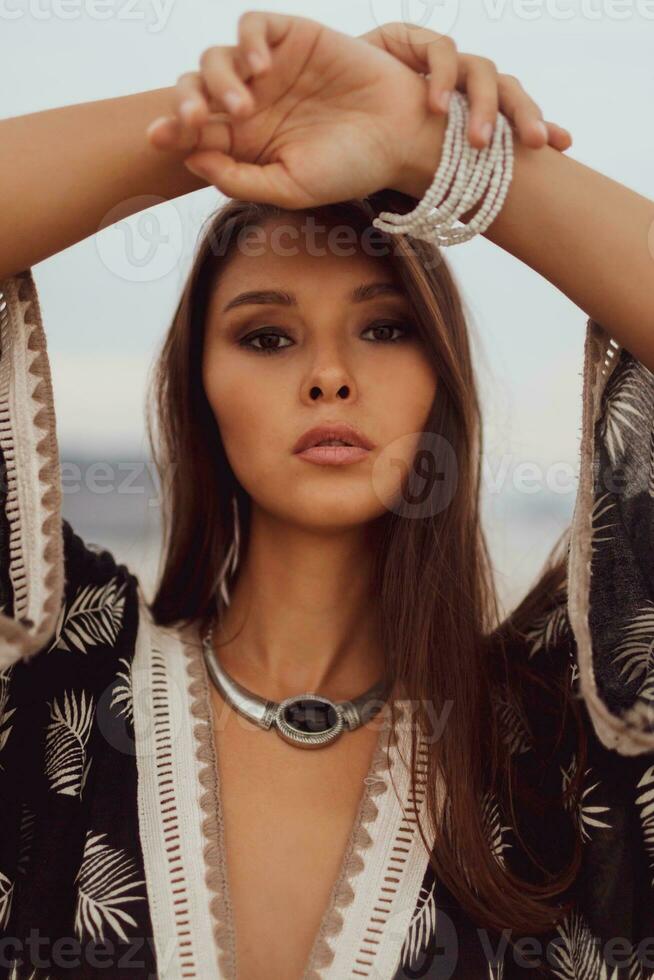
[(287, 814)]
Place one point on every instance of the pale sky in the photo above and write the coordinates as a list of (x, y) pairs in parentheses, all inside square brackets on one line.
[(587, 63)]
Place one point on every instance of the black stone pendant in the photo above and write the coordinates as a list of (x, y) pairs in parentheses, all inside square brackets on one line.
[(309, 720), (310, 715)]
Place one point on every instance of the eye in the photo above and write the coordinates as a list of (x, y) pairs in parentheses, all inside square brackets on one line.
[(405, 330), (264, 341), (267, 348)]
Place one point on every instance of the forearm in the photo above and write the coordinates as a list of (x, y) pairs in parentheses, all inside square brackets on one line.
[(62, 170), (588, 235)]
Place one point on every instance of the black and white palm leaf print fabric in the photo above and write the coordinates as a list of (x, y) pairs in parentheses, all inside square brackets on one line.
[(71, 865)]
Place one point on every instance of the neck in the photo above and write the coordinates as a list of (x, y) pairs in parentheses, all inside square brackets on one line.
[(302, 616)]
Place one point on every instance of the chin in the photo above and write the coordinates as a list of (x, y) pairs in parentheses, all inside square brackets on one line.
[(332, 509)]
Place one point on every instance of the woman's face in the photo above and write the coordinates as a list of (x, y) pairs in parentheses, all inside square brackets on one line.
[(262, 359)]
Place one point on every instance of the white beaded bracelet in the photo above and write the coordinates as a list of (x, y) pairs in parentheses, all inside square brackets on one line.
[(484, 173)]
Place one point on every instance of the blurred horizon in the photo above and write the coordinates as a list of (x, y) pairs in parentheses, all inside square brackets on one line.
[(115, 502)]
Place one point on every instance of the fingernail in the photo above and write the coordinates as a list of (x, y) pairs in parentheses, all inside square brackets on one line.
[(257, 62), (187, 107), (443, 101), (486, 131), (232, 100), (196, 168), (541, 128), (157, 122)]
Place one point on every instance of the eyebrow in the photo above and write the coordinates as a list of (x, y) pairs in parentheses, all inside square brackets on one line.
[(265, 297)]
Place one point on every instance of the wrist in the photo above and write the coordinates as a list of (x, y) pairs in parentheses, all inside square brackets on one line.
[(417, 171), (422, 157)]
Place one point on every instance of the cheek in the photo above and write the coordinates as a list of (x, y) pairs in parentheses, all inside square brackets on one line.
[(250, 416), (402, 406), (404, 396)]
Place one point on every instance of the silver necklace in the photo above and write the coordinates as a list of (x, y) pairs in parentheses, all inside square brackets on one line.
[(309, 720)]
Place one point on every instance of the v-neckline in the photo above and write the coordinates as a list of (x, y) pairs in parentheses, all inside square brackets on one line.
[(182, 834), (374, 786)]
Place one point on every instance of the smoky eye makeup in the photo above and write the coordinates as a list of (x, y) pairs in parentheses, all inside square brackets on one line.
[(389, 322), (380, 332)]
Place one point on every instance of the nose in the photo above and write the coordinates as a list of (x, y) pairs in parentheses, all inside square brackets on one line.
[(317, 392), (328, 377)]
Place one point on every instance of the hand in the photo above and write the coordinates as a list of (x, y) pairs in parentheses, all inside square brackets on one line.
[(436, 55), (322, 116), (328, 117)]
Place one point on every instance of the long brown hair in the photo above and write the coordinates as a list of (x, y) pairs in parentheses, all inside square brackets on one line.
[(443, 639)]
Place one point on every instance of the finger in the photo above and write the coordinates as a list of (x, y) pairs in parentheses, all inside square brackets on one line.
[(157, 134), (558, 137), (246, 181), (257, 32), (216, 134), (258, 35), (521, 109), (165, 133), (192, 99), (443, 69), (260, 32), (182, 131), (223, 73), (423, 50), (479, 77)]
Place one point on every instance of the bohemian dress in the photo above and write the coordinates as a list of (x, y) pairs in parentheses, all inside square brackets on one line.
[(112, 854)]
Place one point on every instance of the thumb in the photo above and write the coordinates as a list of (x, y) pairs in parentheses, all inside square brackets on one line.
[(269, 184)]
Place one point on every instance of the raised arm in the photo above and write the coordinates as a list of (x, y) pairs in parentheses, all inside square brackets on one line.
[(590, 236), (62, 170)]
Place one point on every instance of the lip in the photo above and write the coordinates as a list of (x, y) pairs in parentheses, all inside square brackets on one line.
[(333, 455), (336, 430)]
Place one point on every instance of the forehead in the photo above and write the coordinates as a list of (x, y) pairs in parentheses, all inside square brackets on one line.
[(291, 253)]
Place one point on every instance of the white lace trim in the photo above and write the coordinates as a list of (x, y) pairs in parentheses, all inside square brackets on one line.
[(386, 892), (170, 814), (183, 848), (623, 734), (29, 446)]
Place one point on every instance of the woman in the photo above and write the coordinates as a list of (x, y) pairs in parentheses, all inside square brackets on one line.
[(151, 828)]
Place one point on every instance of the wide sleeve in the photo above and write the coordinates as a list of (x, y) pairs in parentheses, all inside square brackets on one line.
[(31, 534), (610, 586)]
